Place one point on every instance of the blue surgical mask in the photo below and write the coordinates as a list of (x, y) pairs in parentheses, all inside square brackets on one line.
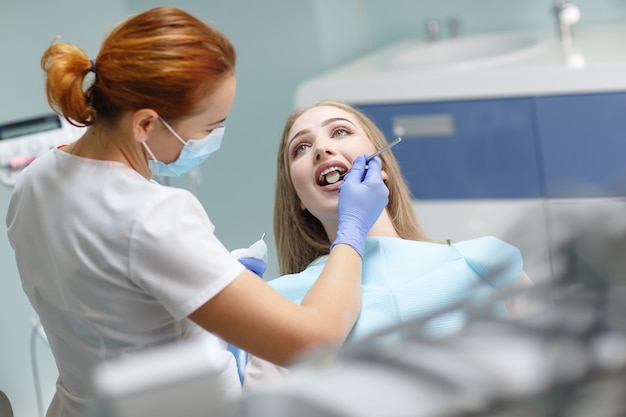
[(194, 152)]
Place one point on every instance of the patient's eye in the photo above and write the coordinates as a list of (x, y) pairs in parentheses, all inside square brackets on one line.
[(340, 131), (299, 148)]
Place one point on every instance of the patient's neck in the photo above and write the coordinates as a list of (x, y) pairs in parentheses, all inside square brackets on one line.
[(383, 226)]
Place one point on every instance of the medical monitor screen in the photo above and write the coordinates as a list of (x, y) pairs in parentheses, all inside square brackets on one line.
[(30, 126)]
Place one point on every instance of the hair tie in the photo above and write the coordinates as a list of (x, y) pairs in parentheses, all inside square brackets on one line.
[(93, 66)]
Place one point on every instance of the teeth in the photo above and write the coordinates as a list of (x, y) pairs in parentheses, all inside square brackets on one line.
[(333, 177)]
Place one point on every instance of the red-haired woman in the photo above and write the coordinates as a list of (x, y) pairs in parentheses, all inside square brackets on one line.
[(112, 261)]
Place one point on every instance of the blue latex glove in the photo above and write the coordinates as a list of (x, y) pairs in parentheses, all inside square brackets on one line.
[(255, 265), (253, 257), (362, 197)]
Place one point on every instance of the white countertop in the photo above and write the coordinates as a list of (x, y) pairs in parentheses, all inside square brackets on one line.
[(539, 71)]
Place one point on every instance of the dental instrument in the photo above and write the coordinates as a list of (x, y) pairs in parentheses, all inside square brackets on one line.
[(369, 158), (389, 145)]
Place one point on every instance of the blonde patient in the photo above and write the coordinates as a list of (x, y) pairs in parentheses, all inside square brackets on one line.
[(405, 274)]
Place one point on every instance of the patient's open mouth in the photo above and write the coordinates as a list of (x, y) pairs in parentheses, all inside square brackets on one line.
[(330, 175)]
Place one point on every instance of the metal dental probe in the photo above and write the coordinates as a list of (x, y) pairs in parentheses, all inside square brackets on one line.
[(375, 154), (383, 149)]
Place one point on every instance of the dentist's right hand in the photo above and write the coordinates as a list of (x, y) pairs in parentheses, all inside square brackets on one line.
[(362, 198)]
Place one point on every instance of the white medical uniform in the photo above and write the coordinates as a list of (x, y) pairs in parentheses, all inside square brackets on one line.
[(405, 279), (113, 263)]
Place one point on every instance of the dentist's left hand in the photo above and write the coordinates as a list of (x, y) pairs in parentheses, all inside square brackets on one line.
[(255, 265), (254, 257)]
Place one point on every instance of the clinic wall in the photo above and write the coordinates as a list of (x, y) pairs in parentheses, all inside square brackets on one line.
[(389, 21), (280, 43)]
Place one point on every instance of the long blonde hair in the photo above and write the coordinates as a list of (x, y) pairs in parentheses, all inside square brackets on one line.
[(300, 237)]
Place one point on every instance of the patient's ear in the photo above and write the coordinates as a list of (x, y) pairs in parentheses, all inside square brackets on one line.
[(302, 207)]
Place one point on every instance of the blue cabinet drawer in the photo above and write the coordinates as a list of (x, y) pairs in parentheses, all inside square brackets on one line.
[(583, 144)]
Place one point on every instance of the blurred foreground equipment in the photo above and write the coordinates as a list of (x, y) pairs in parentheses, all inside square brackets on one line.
[(565, 357)]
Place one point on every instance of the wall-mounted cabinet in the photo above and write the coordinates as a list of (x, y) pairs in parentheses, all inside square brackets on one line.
[(535, 147)]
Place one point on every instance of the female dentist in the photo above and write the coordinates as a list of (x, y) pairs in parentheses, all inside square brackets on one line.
[(114, 262)]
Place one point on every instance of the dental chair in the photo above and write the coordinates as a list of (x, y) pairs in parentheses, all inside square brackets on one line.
[(5, 406)]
